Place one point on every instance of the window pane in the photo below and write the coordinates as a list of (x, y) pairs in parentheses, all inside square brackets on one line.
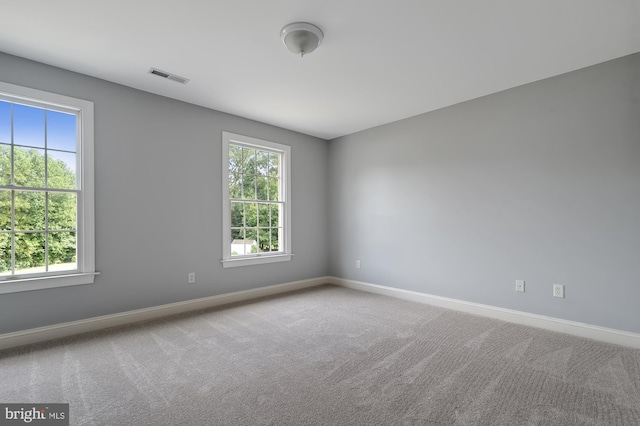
[(5, 122), (5, 254), (249, 185), (237, 234), (29, 253), (251, 214), (262, 190), (237, 242), (275, 214), (263, 215), (5, 165), (275, 239), (274, 164), (5, 210), (29, 210), (248, 161), (29, 167), (237, 215), (264, 243), (62, 251), (28, 126), (62, 211), (61, 170), (273, 189), (235, 185), (262, 162), (251, 240), (235, 159), (61, 131)]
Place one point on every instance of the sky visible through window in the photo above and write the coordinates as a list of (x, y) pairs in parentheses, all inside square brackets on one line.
[(31, 129)]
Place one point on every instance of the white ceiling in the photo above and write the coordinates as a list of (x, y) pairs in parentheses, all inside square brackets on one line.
[(380, 61)]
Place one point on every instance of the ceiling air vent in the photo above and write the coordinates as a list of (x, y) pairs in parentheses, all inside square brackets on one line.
[(168, 76)]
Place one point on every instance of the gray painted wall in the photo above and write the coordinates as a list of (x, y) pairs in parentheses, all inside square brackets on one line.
[(540, 182), (158, 203)]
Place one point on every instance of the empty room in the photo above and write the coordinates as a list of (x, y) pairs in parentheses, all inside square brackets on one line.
[(320, 213)]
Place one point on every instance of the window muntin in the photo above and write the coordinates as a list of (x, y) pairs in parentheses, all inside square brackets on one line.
[(255, 190), (46, 190)]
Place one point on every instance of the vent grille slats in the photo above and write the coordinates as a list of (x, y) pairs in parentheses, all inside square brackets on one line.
[(168, 76), (178, 79), (161, 74)]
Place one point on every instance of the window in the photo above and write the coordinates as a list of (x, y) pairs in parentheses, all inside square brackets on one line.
[(256, 201), (46, 190)]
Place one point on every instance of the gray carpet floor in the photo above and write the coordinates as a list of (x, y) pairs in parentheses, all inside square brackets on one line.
[(328, 356)]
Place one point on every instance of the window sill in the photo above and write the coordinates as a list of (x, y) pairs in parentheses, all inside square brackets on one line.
[(256, 260), (38, 283)]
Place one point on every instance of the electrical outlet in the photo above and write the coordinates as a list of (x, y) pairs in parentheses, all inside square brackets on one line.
[(520, 286), (357, 264), (558, 290), (191, 277)]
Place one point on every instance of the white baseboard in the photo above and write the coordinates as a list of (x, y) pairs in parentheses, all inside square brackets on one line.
[(40, 334), (589, 331)]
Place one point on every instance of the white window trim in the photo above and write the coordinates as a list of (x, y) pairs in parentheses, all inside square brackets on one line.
[(86, 272), (258, 258)]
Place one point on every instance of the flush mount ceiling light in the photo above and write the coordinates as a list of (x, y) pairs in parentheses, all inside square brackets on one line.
[(301, 38)]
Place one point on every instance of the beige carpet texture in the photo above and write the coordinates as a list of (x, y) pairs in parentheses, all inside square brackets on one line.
[(328, 356)]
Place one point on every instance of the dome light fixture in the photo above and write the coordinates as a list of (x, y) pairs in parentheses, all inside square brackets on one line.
[(301, 38)]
